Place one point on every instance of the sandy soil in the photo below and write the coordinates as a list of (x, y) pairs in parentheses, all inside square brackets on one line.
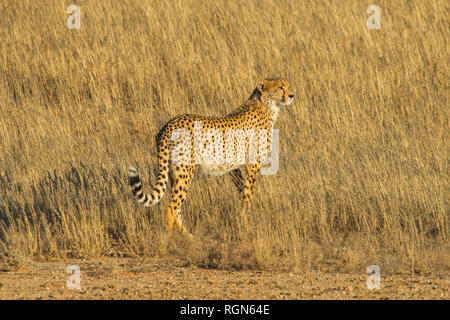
[(115, 278)]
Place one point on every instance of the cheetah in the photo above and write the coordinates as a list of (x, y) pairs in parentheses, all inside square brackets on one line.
[(190, 142)]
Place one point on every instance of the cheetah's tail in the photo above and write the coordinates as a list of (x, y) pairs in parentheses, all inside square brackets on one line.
[(155, 196)]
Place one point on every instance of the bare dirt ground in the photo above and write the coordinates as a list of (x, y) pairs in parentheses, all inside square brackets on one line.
[(128, 278)]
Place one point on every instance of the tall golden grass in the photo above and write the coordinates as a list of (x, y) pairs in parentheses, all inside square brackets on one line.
[(364, 153)]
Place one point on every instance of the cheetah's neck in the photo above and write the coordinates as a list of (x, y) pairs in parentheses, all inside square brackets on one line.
[(275, 109)]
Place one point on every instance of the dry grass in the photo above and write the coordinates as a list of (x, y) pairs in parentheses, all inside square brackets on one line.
[(364, 153)]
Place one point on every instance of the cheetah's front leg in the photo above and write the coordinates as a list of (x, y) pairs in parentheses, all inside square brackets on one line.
[(247, 191), (249, 182)]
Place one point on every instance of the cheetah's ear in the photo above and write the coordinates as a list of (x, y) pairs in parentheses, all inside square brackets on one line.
[(260, 86)]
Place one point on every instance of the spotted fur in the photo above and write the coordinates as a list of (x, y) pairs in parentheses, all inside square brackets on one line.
[(260, 111)]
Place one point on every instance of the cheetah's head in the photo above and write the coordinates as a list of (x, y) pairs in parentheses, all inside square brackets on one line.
[(275, 91)]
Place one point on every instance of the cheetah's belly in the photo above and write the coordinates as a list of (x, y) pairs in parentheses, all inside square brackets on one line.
[(216, 169)]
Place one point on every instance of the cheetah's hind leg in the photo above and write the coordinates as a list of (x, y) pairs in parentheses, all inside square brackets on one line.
[(181, 175)]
